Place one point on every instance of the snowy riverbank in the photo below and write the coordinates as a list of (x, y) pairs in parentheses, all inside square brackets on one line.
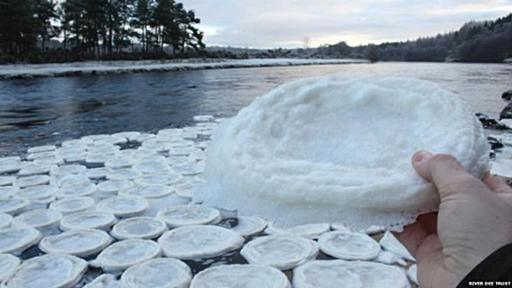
[(117, 67)]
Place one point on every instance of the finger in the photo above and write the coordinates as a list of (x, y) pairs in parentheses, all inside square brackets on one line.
[(497, 184), (445, 172), (413, 235)]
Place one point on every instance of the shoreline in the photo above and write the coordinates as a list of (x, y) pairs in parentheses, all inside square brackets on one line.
[(28, 71)]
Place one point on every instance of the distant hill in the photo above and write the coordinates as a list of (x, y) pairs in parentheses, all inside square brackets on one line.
[(487, 41)]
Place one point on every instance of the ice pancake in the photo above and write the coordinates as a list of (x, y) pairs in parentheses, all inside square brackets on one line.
[(338, 149)]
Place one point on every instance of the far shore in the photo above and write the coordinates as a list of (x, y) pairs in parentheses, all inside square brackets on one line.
[(23, 71)]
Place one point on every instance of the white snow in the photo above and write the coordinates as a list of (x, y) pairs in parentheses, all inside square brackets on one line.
[(338, 149), (115, 67)]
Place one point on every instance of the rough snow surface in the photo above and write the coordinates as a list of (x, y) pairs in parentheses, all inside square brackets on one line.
[(338, 149)]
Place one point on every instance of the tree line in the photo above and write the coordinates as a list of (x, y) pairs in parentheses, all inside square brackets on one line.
[(51, 30), (488, 41)]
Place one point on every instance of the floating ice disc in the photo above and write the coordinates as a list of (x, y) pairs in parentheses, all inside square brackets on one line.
[(88, 220), (338, 149), (340, 273), (5, 220), (183, 215), (49, 271), (311, 231), (349, 245), (39, 218), (13, 204), (157, 273), (126, 253), (282, 252), (71, 205), (81, 243), (139, 227), (248, 226), (123, 205), (234, 276), (199, 241), (18, 238), (8, 265)]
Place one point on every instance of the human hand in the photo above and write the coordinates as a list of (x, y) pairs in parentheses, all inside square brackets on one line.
[(474, 220)]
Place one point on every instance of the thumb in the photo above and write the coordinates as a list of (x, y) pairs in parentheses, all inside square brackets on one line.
[(445, 172)]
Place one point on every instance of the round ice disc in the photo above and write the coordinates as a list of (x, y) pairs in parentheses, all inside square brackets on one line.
[(82, 190), (162, 179), (122, 174), (152, 167), (199, 241), (39, 218), (28, 181), (52, 270), (139, 227), (114, 186), (69, 205), (391, 244), (119, 162), (311, 231), (88, 220), (80, 243), (184, 215), (6, 191), (148, 191), (248, 226), (38, 192), (126, 253), (13, 204), (282, 252), (157, 273), (18, 238), (34, 169), (234, 276), (8, 264), (123, 205), (340, 273), (5, 220), (7, 180), (70, 180), (349, 245)]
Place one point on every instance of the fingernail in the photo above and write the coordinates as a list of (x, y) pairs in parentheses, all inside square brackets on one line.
[(421, 156)]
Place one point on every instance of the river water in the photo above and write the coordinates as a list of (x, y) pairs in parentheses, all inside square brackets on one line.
[(47, 110)]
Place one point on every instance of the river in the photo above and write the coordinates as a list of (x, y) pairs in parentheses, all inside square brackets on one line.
[(48, 110)]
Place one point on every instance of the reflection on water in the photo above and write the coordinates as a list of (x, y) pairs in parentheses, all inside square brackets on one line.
[(46, 110)]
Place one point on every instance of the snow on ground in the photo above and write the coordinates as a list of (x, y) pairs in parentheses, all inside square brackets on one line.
[(116, 67)]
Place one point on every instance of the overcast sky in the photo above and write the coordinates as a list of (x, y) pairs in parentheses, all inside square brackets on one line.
[(285, 23)]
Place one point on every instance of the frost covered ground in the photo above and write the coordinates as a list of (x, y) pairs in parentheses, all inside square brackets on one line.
[(115, 67), (115, 211)]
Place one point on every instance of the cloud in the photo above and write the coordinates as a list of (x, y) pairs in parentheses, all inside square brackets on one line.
[(285, 23)]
